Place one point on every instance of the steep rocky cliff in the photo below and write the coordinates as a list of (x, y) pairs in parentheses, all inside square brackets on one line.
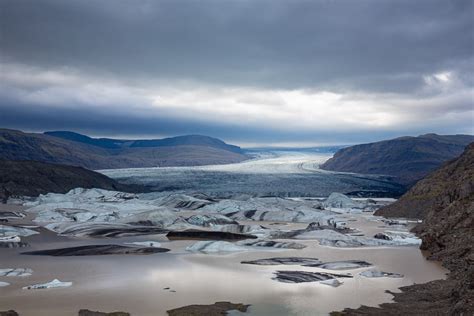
[(446, 201), (446, 187)]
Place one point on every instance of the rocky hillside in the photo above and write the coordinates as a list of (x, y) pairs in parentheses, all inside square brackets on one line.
[(450, 184), (446, 201), (408, 159), (80, 150), (31, 178)]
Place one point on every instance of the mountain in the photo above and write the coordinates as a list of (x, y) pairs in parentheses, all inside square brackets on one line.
[(31, 178), (99, 142), (408, 159), (79, 150), (454, 181), (445, 199), (189, 140)]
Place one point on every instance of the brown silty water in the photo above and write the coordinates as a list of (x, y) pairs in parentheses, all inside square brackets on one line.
[(136, 283)]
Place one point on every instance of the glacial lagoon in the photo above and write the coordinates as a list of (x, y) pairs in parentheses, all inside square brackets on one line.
[(280, 199)]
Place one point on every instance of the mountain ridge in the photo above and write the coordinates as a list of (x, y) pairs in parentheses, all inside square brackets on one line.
[(17, 145), (192, 140), (407, 158)]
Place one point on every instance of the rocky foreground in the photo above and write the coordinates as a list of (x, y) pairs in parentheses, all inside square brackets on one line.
[(447, 233)]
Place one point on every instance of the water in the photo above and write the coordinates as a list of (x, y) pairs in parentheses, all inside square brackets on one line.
[(136, 283)]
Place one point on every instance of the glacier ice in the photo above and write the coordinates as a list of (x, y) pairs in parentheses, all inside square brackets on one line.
[(16, 272), (49, 285), (210, 246)]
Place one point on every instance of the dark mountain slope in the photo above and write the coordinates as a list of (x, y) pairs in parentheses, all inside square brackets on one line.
[(31, 178), (187, 140), (99, 142), (452, 182), (446, 197), (101, 154), (406, 158), (16, 145)]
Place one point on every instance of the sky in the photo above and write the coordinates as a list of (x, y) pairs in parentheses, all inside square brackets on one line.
[(254, 73)]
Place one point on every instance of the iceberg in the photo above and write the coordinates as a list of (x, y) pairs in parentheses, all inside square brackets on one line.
[(210, 220), (339, 200), (271, 244), (49, 285), (305, 276), (11, 215), (332, 282), (9, 231), (342, 265), (284, 261), (327, 237), (152, 244), (373, 273), (215, 246), (16, 272)]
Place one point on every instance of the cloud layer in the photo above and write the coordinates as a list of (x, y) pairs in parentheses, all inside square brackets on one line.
[(248, 71)]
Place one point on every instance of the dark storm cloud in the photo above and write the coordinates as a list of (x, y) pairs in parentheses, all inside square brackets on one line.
[(381, 45), (248, 71)]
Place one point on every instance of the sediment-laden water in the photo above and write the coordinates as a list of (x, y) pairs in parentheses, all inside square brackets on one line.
[(231, 198)]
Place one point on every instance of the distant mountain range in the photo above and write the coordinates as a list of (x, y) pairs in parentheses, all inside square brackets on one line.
[(31, 178), (408, 159), (188, 140), (63, 147)]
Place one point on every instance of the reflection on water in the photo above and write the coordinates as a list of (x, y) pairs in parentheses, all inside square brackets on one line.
[(136, 283)]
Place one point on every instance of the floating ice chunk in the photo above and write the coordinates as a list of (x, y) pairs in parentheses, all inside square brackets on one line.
[(306, 276), (340, 201), (242, 229), (16, 272), (10, 239), (49, 285), (11, 242), (157, 217), (332, 238), (91, 229), (74, 215), (182, 201), (210, 220), (374, 273), (153, 244), (215, 246), (343, 265), (332, 282), (304, 261), (403, 238), (6, 231), (271, 244), (3, 284), (11, 215)]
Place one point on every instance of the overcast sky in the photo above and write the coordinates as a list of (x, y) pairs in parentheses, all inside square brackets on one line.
[(249, 72)]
